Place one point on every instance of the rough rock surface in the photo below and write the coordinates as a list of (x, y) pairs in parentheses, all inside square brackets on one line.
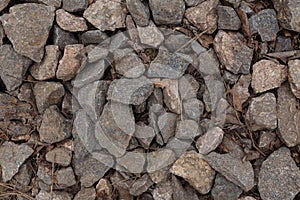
[(294, 77), (235, 170), (57, 195), (12, 156), (279, 176), (139, 12), (74, 5), (288, 117), (267, 75), (106, 14), (228, 18), (167, 12), (210, 140), (3, 4), (240, 91), (61, 156), (150, 35), (63, 38), (86, 194), (262, 112), (130, 66), (194, 170), (187, 129), (233, 53), (12, 77), (27, 26), (69, 22)]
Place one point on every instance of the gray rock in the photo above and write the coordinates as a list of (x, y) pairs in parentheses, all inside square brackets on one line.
[(193, 109), (130, 91), (178, 43), (130, 66), (93, 37), (265, 24), (155, 98), (167, 12), (208, 63), (265, 140), (54, 127), (194, 170), (288, 14), (15, 128), (133, 162), (232, 52), (144, 134), (180, 192), (155, 111), (69, 22), (115, 128), (72, 60), (92, 98), (141, 185), (24, 176), (279, 176), (214, 91), (106, 15), (288, 117), (150, 35), (167, 65), (233, 148), (61, 156), (283, 44), (44, 174), (230, 78), (12, 77), (224, 189), (3, 4), (163, 191), (75, 5), (139, 12), (197, 48), (65, 177), (57, 195), (193, 2), (294, 77), (262, 113), (160, 159), (47, 68), (210, 140), (2, 34), (160, 175), (27, 26), (55, 3), (235, 170), (90, 73), (47, 93), (167, 124), (12, 156), (204, 16), (228, 19), (63, 38), (118, 42), (188, 87), (97, 53), (187, 129), (179, 146), (86, 194)]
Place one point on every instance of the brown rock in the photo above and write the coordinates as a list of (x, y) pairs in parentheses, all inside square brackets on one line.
[(47, 68), (73, 58), (204, 16), (194, 170), (86, 194), (70, 22), (294, 77), (61, 156), (104, 189), (267, 75), (3, 4), (65, 177), (240, 91), (210, 140), (233, 53), (27, 26)]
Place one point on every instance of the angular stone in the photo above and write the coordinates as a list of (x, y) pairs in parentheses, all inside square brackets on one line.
[(167, 65), (167, 124), (180, 192), (106, 14), (193, 2), (208, 63), (188, 87), (177, 42), (279, 176), (230, 78), (12, 156), (65, 177), (13, 67), (288, 14), (240, 92), (130, 91), (115, 128), (3, 4), (194, 170), (167, 12), (283, 44), (267, 75), (214, 91), (141, 185), (133, 162), (57, 195), (55, 3), (262, 113), (235, 170), (288, 117), (60, 156), (150, 35), (104, 189), (193, 109), (228, 18), (72, 60), (75, 5), (204, 16), (139, 12), (210, 140), (294, 77), (224, 189), (55, 127), (187, 129), (144, 134), (27, 26), (24, 176), (233, 53), (2, 34), (93, 37), (163, 191), (160, 159), (130, 66), (265, 140), (69, 22), (160, 175), (63, 38), (179, 146), (47, 93), (47, 68), (86, 194)]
